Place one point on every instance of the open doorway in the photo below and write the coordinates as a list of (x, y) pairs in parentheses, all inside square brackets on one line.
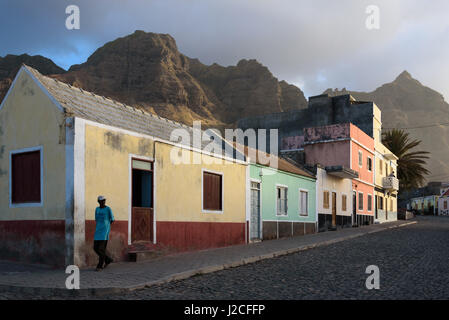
[(142, 201)]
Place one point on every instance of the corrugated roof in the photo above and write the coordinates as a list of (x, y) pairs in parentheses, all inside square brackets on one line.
[(282, 164), (89, 106)]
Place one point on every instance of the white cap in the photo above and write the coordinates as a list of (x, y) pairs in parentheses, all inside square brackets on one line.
[(101, 198)]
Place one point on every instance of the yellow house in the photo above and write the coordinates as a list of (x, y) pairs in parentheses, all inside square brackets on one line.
[(61, 147), (385, 171)]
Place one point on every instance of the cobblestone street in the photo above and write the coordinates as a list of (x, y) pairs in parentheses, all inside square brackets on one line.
[(413, 263)]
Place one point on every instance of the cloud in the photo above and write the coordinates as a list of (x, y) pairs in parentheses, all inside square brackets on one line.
[(318, 44)]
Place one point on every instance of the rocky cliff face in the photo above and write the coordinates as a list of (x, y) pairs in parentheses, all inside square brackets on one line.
[(147, 70), (10, 64), (406, 103)]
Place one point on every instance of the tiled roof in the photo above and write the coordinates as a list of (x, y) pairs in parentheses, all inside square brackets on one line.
[(89, 106), (282, 164)]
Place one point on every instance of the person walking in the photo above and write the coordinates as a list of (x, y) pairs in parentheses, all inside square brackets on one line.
[(103, 220)]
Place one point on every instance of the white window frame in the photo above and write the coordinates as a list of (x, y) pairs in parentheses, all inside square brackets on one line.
[(358, 202), (370, 160), (41, 155), (299, 203), (276, 200), (360, 158), (202, 191)]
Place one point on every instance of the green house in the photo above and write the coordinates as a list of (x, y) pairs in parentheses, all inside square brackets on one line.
[(283, 199)]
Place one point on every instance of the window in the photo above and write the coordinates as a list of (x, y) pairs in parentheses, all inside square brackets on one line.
[(281, 200), (26, 177), (344, 200), (380, 166), (391, 205), (360, 201), (381, 203), (445, 205), (369, 164), (360, 159), (386, 169), (212, 191), (370, 202), (303, 203), (326, 200)]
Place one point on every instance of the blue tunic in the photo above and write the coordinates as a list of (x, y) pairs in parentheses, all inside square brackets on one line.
[(103, 218)]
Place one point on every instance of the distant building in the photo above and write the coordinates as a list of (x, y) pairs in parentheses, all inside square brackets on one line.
[(344, 156), (324, 110)]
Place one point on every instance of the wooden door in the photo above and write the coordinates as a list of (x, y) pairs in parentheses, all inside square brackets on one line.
[(142, 224), (255, 211), (334, 209)]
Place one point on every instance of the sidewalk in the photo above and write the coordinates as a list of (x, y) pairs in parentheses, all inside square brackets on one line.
[(124, 276)]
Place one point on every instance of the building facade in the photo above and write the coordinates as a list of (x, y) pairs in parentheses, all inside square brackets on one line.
[(283, 199), (324, 110), (62, 147), (347, 154)]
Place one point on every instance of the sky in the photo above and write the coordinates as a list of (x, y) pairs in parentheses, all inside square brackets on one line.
[(315, 45)]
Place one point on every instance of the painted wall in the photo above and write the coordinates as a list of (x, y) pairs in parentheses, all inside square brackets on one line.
[(336, 153), (107, 172), (181, 221), (326, 182), (270, 179), (363, 143), (29, 119)]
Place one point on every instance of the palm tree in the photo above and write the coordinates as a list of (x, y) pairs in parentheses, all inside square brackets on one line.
[(411, 164)]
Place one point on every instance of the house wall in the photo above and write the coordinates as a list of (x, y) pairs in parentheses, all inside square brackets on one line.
[(275, 226), (107, 172), (336, 153), (326, 182), (365, 183), (181, 222), (29, 119)]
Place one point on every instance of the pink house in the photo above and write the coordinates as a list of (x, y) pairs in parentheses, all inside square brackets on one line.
[(344, 155)]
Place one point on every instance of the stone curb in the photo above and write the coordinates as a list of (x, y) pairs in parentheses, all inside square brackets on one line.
[(62, 292)]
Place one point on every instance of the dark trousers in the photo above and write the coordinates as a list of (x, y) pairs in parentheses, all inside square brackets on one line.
[(100, 249)]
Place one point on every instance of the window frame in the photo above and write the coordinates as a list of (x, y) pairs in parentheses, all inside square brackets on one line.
[(307, 202), (41, 156), (369, 163), (326, 206), (358, 201), (344, 200), (369, 203), (281, 186), (203, 210)]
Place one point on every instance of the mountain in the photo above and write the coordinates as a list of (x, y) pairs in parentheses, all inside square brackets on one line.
[(406, 103), (147, 70), (10, 64)]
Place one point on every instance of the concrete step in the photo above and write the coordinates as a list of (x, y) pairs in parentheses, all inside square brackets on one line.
[(141, 251)]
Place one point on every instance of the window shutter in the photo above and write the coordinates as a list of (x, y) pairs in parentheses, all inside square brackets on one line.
[(26, 177), (212, 191)]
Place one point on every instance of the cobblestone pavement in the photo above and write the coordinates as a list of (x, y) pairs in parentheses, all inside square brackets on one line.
[(413, 263)]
